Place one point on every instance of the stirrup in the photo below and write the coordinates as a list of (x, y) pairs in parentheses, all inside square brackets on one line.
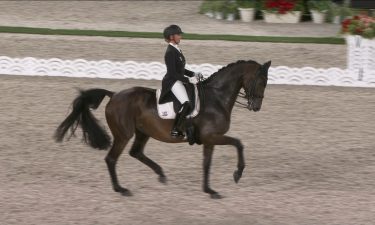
[(177, 134)]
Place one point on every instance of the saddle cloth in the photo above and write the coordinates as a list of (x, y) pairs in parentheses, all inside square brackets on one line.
[(166, 110)]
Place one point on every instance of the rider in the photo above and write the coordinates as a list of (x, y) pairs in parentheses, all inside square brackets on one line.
[(174, 79)]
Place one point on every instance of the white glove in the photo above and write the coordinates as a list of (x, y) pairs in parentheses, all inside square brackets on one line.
[(198, 75), (193, 80)]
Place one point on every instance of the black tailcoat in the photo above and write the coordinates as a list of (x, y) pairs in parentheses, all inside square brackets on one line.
[(175, 62)]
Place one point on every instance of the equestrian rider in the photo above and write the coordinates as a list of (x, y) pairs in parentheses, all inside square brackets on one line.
[(174, 79)]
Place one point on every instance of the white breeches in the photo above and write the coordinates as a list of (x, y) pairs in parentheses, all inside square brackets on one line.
[(179, 91)]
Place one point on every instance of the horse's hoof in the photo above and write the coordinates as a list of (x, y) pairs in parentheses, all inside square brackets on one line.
[(236, 176), (126, 194), (124, 191), (213, 194), (163, 179), (216, 196)]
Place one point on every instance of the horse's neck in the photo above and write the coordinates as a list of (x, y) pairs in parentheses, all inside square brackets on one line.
[(225, 87)]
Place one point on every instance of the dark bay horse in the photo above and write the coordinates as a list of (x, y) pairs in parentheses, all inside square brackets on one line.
[(133, 111)]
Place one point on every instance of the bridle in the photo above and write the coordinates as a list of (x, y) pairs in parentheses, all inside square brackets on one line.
[(250, 95)]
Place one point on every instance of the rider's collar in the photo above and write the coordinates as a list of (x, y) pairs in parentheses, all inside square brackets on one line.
[(175, 45)]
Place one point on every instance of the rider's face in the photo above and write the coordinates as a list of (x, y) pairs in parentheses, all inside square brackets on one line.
[(176, 38)]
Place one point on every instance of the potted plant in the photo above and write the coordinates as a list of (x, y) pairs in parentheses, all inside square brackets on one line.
[(282, 11), (360, 25), (319, 9), (231, 10), (219, 7), (246, 9), (337, 13), (360, 39), (207, 8), (333, 14)]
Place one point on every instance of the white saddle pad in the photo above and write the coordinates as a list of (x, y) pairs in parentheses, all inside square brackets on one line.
[(166, 110)]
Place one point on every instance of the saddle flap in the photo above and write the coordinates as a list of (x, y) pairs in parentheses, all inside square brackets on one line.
[(166, 110)]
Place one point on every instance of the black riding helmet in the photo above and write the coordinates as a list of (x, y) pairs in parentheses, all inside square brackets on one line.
[(171, 30)]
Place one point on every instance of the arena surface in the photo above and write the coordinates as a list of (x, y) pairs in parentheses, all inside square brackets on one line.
[(309, 152)]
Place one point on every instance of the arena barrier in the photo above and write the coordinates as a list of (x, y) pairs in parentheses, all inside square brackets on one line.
[(30, 66)]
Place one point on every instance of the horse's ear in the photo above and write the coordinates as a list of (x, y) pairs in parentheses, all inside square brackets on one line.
[(267, 65)]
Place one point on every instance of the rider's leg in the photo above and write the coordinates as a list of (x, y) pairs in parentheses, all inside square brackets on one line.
[(179, 91)]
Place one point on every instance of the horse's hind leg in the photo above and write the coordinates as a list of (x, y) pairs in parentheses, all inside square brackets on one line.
[(137, 151), (111, 160)]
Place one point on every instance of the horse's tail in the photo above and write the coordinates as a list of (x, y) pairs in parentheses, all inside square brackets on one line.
[(93, 133)]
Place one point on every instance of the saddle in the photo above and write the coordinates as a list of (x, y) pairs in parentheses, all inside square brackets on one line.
[(168, 110)]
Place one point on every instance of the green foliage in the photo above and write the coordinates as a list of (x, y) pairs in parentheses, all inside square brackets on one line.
[(319, 5), (369, 32), (206, 6), (246, 3), (339, 10), (219, 6), (231, 7)]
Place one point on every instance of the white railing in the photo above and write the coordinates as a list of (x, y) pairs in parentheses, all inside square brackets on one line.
[(361, 56), (156, 70)]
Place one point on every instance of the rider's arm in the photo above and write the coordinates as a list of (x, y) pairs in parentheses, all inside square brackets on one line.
[(189, 73)]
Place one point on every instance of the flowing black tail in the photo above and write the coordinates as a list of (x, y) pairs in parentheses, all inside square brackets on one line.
[(93, 133)]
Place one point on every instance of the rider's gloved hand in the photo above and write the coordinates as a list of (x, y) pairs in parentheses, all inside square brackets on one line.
[(198, 75), (193, 80)]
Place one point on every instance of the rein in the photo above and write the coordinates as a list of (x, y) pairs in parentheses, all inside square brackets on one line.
[(201, 89), (249, 94)]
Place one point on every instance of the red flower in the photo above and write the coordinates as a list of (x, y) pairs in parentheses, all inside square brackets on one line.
[(359, 25), (281, 6), (346, 23), (358, 30)]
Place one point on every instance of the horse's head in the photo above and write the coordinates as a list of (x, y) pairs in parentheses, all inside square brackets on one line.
[(254, 84)]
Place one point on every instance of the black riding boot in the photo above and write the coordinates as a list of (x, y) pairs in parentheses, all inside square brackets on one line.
[(180, 120)]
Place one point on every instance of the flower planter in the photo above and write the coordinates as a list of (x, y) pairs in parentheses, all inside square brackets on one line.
[(361, 56), (219, 15), (289, 17), (210, 14), (247, 14), (230, 17), (318, 17), (336, 20)]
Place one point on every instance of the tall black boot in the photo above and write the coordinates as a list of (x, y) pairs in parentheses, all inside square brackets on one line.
[(180, 120)]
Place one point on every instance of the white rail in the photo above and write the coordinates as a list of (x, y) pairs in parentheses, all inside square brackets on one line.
[(156, 70)]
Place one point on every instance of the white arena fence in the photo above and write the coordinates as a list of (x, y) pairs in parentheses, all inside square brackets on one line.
[(30, 66)]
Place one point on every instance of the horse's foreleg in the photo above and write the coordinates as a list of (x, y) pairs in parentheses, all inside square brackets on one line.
[(136, 151), (226, 140), (111, 160), (207, 157)]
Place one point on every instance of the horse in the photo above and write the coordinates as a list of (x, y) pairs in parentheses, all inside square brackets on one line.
[(133, 111)]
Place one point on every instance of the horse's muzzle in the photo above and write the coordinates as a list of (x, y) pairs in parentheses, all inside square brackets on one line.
[(254, 105)]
